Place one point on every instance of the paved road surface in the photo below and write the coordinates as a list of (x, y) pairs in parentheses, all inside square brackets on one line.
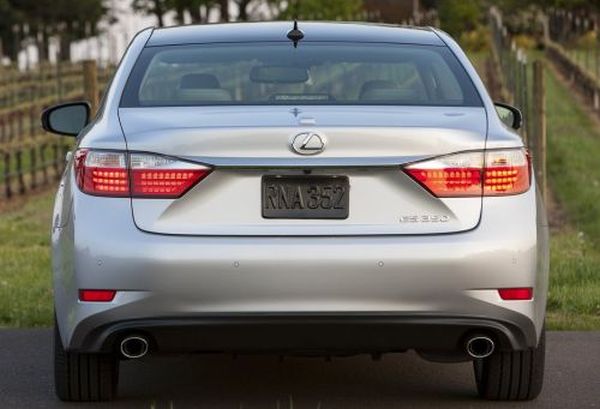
[(261, 382)]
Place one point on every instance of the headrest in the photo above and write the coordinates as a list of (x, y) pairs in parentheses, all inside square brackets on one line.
[(196, 81), (376, 84)]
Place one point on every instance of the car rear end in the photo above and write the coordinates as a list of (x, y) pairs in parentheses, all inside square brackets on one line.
[(327, 198)]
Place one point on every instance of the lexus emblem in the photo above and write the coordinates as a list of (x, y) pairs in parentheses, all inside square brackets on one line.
[(308, 143)]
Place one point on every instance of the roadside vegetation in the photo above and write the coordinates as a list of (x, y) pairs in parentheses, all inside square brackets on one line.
[(25, 274), (574, 176)]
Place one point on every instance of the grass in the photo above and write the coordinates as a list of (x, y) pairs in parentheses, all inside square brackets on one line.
[(574, 177), (573, 152), (574, 295), (25, 274)]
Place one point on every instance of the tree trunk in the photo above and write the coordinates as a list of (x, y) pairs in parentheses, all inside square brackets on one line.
[(180, 11), (161, 20), (224, 10), (195, 14), (159, 12), (243, 13), (11, 48), (65, 44), (42, 45)]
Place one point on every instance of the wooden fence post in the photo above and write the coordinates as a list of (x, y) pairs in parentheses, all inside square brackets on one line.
[(90, 83), (539, 103), (6, 176)]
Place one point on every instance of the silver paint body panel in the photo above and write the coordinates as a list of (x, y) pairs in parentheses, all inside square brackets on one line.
[(191, 257)]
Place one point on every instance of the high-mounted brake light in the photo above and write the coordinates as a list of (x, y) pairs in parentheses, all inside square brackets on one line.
[(490, 173), (144, 175)]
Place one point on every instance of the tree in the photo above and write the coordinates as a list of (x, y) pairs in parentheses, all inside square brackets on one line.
[(322, 10), (156, 7), (39, 20), (243, 9), (224, 10), (8, 35), (459, 16)]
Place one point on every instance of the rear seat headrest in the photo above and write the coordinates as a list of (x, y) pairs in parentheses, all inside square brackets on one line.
[(199, 81)]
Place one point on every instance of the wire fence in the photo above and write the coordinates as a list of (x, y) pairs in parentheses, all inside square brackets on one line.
[(29, 157), (576, 34), (574, 49), (521, 83)]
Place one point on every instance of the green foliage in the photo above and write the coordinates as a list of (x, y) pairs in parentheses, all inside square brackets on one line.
[(461, 16), (476, 40), (322, 10), (37, 20)]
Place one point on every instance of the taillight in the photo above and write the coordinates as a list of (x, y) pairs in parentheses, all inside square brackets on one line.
[(489, 173), (506, 172), (160, 176), (144, 175)]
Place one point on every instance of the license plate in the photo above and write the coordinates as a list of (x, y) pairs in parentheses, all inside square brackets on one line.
[(305, 197)]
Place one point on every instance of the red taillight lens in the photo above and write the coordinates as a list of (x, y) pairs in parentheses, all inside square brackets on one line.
[(114, 174), (522, 293), (506, 172), (501, 172), (161, 177), (102, 173), (97, 295)]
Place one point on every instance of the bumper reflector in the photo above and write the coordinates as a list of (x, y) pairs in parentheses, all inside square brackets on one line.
[(97, 295), (523, 293)]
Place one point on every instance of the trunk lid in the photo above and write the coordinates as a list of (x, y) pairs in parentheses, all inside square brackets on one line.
[(366, 144)]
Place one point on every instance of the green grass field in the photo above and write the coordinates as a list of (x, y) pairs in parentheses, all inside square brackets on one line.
[(25, 277), (574, 176), (574, 301)]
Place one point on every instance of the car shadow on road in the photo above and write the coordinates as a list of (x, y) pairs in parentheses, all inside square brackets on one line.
[(194, 381)]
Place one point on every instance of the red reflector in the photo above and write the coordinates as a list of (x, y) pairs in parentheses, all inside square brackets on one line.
[(525, 293), (97, 295)]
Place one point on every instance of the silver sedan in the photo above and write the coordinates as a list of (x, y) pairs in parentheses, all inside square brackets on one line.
[(308, 189)]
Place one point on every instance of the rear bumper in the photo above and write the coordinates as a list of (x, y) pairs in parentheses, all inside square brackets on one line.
[(314, 334), (382, 292)]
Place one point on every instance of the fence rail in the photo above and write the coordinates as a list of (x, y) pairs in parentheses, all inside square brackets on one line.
[(574, 49), (29, 157), (521, 82)]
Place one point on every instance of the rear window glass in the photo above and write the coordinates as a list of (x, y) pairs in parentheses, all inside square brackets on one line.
[(312, 74)]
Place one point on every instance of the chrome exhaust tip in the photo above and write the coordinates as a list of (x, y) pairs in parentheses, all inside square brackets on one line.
[(480, 346), (134, 347)]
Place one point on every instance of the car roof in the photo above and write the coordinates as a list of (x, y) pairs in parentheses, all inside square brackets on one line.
[(277, 31)]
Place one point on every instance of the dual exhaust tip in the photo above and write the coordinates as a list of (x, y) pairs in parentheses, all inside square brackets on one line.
[(479, 346), (134, 346)]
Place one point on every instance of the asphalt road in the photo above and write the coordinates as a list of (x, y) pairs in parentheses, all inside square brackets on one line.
[(261, 382)]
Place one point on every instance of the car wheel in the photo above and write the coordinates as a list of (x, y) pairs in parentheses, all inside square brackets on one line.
[(83, 377), (512, 375)]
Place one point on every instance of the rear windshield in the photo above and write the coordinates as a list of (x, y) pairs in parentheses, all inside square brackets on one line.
[(311, 74)]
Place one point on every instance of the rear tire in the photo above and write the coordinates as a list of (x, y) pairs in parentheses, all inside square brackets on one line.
[(512, 375), (83, 377)]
